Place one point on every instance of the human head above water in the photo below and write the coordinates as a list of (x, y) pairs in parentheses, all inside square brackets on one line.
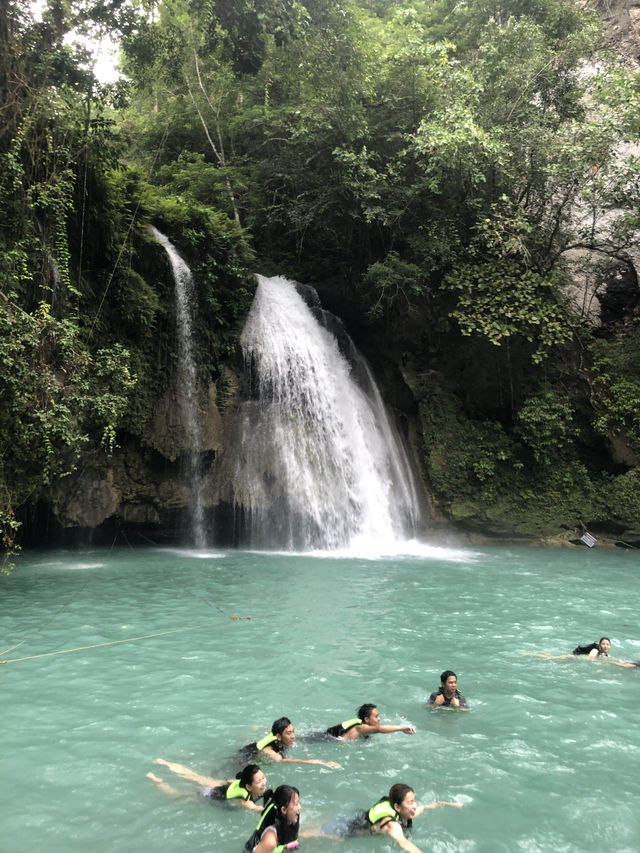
[(252, 777), (365, 711), (402, 798), (283, 729), (608, 644), (447, 674), (287, 800), (280, 725)]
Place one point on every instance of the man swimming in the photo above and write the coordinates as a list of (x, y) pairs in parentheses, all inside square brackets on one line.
[(364, 724)]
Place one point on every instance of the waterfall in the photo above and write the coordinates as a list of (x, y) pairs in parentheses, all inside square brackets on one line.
[(318, 463), (187, 384)]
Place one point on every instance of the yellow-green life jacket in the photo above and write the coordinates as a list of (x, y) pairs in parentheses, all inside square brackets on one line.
[(382, 810), (235, 791), (266, 741)]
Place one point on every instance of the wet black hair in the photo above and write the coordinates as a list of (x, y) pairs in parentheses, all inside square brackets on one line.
[(283, 795), (281, 798), (397, 793), (247, 773), (447, 674), (280, 725), (365, 711), (601, 639)]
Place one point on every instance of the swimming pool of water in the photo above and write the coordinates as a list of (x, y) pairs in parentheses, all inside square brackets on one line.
[(546, 760)]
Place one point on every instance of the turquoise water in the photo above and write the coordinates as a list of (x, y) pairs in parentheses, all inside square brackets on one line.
[(547, 759)]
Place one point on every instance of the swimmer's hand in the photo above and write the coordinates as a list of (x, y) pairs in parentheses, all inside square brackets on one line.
[(332, 764), (409, 730), (437, 805)]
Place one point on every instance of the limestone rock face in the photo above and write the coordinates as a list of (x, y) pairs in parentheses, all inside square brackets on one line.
[(144, 483), (86, 497), (169, 428)]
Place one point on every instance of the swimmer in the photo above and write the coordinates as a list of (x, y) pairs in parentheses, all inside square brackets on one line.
[(392, 815), (280, 822), (592, 651), (248, 786), (448, 695), (273, 746), (366, 723)]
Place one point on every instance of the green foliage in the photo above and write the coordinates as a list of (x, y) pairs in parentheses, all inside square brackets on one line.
[(624, 497), (396, 285), (467, 460), (502, 299), (482, 476), (616, 387), (545, 424), (57, 399)]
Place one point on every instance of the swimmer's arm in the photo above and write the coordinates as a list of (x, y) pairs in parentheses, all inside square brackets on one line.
[(270, 753), (426, 806), (331, 764), (622, 663), (385, 730), (394, 829), (268, 842), (249, 804)]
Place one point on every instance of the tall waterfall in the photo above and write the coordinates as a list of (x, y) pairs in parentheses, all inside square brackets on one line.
[(319, 465), (187, 385)]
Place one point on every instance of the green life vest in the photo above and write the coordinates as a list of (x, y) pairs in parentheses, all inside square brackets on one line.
[(349, 724), (270, 806), (235, 791), (266, 741), (270, 819), (382, 810)]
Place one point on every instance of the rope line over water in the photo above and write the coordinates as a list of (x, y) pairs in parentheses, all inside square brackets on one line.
[(118, 642)]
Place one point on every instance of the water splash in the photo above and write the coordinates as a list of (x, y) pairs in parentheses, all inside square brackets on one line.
[(319, 464), (187, 383)]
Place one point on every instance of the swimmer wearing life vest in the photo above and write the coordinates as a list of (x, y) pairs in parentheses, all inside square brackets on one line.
[(448, 695), (273, 746), (245, 790), (279, 825), (365, 724), (592, 651), (392, 815)]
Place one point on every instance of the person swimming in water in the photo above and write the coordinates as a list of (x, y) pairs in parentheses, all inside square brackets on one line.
[(273, 746), (592, 651), (246, 789), (280, 823), (448, 695), (365, 723), (392, 815)]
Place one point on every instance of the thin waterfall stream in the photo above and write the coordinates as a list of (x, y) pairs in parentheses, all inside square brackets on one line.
[(316, 463), (187, 383)]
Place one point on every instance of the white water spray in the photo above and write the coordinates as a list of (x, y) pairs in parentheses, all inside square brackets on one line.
[(319, 465), (187, 384)]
